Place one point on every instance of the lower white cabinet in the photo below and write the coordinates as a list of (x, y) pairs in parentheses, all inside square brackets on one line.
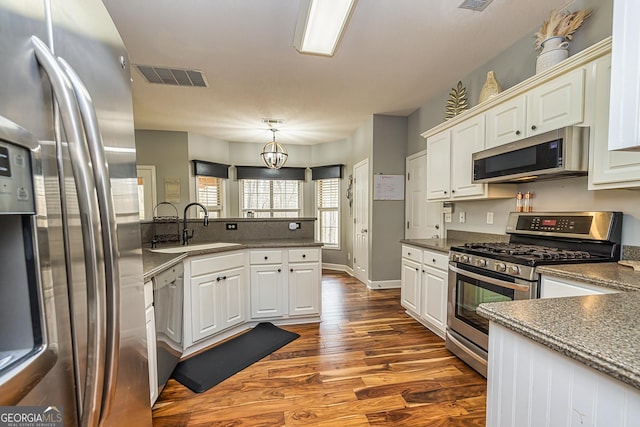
[(424, 281), (551, 287), (529, 384), (217, 293), (285, 283), (150, 320)]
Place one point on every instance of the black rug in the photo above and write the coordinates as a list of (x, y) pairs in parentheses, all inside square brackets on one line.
[(203, 371)]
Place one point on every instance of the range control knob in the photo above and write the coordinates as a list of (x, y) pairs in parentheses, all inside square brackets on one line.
[(464, 259), (514, 269), (455, 257), (481, 262), (500, 266)]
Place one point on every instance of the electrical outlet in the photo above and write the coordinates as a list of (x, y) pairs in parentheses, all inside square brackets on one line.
[(448, 217), (348, 256), (232, 226), (463, 217), (489, 217)]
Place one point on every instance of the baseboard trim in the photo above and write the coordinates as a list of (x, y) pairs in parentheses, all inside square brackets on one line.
[(384, 284), (338, 267)]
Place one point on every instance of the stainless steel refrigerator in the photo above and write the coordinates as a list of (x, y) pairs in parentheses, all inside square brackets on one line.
[(72, 323)]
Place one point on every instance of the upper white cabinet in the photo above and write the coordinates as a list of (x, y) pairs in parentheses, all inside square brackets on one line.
[(449, 166), (466, 138), (608, 169), (549, 106), (624, 129), (556, 103), (439, 166), (507, 122)]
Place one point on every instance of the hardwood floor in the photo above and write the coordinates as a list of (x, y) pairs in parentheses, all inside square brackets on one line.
[(366, 364)]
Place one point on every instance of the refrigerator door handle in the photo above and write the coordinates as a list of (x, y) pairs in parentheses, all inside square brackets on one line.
[(72, 122), (109, 234)]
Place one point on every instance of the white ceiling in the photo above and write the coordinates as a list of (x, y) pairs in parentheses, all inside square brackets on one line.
[(394, 56)]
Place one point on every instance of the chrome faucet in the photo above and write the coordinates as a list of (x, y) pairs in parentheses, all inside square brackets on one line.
[(185, 231)]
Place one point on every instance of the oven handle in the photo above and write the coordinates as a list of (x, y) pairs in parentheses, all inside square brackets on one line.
[(491, 280)]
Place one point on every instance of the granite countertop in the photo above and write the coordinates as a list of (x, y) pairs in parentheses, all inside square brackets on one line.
[(441, 245), (455, 238), (155, 262), (606, 274), (600, 331)]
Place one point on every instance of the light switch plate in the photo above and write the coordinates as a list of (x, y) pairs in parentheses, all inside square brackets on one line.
[(489, 217), (463, 217), (447, 217)]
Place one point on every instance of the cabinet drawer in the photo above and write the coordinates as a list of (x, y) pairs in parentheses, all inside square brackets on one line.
[(436, 260), (412, 253), (265, 257), (300, 255), (209, 264)]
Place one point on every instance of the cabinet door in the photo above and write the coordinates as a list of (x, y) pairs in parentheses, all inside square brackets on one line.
[(608, 169), (434, 301), (304, 289), (151, 353), (624, 131), (439, 166), (506, 122), (205, 306), (267, 293), (557, 103), (233, 309), (466, 138), (410, 286)]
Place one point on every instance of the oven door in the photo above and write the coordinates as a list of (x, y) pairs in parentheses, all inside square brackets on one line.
[(468, 288)]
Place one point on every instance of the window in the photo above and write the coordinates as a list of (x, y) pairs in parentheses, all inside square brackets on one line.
[(210, 194), (328, 205), (271, 198)]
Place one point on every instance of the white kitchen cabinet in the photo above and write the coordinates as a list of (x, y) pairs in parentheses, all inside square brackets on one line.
[(439, 166), (434, 282), (217, 291), (449, 165), (552, 287), (285, 283), (410, 286), (556, 103), (466, 138), (624, 129), (528, 384), (151, 341), (423, 293), (608, 169), (506, 122)]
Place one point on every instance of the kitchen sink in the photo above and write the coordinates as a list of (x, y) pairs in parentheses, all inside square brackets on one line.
[(191, 248)]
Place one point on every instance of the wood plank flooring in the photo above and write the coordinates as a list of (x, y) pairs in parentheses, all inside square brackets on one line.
[(366, 364)]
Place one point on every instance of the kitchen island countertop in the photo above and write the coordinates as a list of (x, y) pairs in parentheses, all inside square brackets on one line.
[(155, 262), (606, 274)]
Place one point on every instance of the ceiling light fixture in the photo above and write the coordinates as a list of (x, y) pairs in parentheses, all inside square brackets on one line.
[(320, 25), (274, 155)]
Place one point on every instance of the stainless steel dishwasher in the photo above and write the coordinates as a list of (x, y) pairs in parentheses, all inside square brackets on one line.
[(168, 294)]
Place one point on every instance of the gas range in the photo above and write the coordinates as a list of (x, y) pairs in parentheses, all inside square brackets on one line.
[(546, 239), (499, 271)]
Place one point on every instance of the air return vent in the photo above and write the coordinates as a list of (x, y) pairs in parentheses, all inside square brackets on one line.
[(172, 76), (477, 5)]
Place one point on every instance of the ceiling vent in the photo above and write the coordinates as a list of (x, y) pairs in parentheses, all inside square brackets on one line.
[(477, 5), (172, 76)]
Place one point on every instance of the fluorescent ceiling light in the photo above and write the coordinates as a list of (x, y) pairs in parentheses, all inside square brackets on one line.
[(320, 25)]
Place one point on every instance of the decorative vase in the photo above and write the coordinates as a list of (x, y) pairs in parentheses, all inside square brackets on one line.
[(554, 50), (490, 88)]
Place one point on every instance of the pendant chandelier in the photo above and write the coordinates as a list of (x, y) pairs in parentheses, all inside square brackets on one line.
[(274, 155)]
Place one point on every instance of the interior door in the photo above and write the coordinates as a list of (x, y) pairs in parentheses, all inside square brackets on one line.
[(361, 221), (146, 191)]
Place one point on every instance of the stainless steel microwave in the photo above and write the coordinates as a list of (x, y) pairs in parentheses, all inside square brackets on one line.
[(562, 152)]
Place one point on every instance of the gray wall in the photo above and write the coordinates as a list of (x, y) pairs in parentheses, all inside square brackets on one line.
[(168, 151), (387, 216)]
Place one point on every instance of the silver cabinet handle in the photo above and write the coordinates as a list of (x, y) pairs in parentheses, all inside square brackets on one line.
[(491, 280), (109, 231), (92, 399)]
